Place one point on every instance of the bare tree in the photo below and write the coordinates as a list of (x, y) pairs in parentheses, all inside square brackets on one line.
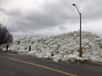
[(5, 36)]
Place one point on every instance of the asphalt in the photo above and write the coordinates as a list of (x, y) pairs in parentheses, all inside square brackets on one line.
[(20, 65)]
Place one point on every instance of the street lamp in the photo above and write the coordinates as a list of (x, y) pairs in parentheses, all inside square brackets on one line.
[(80, 50)]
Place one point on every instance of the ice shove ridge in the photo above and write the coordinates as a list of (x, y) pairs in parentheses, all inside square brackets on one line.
[(63, 47)]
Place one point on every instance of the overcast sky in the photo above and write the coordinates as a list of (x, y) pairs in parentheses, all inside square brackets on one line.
[(50, 16)]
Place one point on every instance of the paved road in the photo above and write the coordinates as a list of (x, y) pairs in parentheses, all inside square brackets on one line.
[(17, 65)]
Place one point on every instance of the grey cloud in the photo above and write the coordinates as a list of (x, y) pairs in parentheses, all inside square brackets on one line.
[(91, 9), (54, 14), (35, 21)]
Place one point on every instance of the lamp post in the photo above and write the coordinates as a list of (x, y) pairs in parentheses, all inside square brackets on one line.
[(80, 14)]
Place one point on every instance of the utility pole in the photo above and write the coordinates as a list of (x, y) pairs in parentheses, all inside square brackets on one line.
[(80, 14)]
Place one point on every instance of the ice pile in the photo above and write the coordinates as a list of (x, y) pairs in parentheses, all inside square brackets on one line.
[(63, 47)]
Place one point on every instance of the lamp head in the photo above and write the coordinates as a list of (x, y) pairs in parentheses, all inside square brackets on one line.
[(74, 4)]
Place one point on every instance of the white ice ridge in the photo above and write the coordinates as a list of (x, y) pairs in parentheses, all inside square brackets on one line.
[(64, 47)]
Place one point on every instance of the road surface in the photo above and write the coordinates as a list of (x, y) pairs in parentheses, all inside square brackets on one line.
[(17, 65)]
